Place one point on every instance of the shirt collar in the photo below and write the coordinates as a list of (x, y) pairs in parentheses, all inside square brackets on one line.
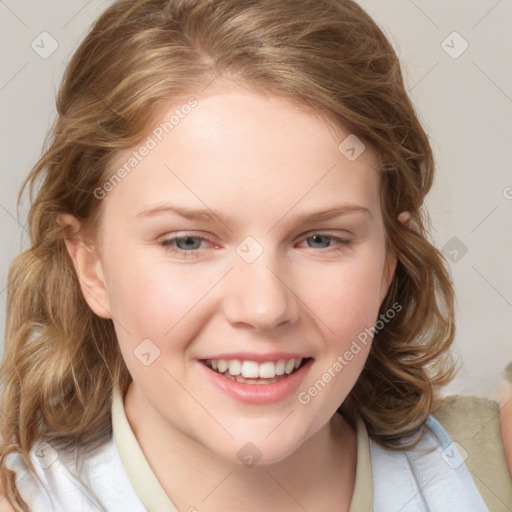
[(153, 496)]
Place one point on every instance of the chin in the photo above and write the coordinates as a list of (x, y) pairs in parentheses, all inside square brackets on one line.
[(250, 449)]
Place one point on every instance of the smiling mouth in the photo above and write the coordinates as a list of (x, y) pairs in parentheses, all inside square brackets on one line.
[(251, 372)]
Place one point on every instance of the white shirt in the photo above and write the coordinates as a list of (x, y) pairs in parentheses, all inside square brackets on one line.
[(116, 477)]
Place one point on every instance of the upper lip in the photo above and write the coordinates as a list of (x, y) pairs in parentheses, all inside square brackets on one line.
[(259, 358)]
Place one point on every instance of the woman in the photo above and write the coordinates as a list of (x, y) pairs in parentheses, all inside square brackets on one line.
[(233, 299)]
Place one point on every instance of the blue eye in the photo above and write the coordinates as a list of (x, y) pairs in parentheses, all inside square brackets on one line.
[(320, 238), (183, 245)]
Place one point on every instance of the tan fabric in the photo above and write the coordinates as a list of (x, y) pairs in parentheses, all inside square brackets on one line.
[(362, 499), (474, 424), (154, 498), (139, 471)]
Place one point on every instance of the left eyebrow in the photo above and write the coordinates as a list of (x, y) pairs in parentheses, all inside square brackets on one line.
[(210, 214), (334, 211)]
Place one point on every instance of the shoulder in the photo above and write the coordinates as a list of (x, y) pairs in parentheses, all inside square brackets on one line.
[(4, 506), (59, 478), (474, 425), (469, 418), (506, 423), (66, 479)]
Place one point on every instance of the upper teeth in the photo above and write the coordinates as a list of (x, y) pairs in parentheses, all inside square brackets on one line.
[(254, 370)]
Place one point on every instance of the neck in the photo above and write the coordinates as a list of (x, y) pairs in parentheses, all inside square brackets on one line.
[(318, 475)]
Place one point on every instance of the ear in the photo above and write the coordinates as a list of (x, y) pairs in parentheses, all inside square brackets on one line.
[(391, 261), (387, 274), (87, 264)]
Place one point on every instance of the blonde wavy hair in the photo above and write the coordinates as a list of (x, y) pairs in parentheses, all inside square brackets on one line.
[(62, 361)]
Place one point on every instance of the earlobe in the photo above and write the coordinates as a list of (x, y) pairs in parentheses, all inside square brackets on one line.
[(404, 218), (87, 264)]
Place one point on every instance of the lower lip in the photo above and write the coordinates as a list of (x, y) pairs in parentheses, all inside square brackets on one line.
[(258, 393)]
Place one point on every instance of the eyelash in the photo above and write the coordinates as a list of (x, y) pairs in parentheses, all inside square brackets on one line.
[(169, 244)]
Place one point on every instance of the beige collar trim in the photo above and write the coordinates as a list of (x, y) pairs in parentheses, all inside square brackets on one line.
[(153, 496), (141, 476)]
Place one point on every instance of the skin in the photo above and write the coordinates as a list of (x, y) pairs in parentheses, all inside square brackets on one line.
[(310, 437), (260, 161)]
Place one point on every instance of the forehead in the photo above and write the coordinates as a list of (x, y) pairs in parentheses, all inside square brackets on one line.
[(236, 149)]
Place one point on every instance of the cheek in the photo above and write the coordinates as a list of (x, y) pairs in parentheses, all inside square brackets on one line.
[(151, 297), (156, 307), (345, 305), (346, 298)]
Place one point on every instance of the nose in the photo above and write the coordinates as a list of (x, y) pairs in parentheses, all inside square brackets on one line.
[(259, 295)]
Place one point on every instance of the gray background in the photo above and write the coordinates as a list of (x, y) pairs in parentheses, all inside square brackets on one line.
[(463, 96)]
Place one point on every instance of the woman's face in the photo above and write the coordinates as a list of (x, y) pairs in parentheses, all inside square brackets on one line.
[(243, 240)]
